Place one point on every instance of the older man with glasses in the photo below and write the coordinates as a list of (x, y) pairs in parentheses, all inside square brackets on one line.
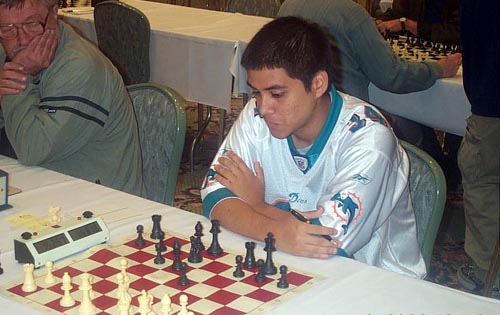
[(64, 105)]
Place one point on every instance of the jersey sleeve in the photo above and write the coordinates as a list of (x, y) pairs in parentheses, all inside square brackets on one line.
[(361, 196), (241, 140)]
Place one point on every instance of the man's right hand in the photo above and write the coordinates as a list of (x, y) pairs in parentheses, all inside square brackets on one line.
[(12, 79), (450, 64)]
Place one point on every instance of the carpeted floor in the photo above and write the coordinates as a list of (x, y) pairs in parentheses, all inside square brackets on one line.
[(448, 253)]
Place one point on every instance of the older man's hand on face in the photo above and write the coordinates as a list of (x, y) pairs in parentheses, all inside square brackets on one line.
[(41, 50)]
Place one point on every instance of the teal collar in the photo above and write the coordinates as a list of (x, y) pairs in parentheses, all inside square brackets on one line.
[(306, 161)]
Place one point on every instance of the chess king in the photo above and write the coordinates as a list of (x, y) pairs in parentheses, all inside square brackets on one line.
[(327, 158)]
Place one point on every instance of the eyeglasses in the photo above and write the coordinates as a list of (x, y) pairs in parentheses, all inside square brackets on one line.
[(11, 31)]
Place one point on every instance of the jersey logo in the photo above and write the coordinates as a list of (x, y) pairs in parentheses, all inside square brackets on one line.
[(358, 122), (347, 206), (363, 179), (302, 162), (51, 111), (209, 178)]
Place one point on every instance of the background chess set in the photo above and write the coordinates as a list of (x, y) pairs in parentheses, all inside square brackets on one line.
[(212, 288), (418, 49)]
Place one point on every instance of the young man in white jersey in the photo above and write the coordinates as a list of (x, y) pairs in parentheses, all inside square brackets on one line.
[(300, 148)]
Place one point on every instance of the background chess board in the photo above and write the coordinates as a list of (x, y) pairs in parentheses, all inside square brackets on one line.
[(212, 288), (411, 47)]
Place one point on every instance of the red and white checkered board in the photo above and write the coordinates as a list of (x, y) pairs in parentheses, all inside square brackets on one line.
[(212, 288)]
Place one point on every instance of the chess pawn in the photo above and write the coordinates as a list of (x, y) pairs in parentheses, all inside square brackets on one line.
[(123, 268), (166, 305), (183, 301), (67, 300), (49, 277), (29, 284)]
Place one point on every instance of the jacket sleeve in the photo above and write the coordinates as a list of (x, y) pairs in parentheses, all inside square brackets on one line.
[(386, 70)]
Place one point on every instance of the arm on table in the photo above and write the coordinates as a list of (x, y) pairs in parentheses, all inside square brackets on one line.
[(249, 215)]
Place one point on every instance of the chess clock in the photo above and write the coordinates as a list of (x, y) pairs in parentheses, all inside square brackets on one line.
[(59, 241), (4, 190)]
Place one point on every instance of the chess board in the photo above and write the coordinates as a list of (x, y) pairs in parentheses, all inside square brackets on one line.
[(212, 288), (417, 49)]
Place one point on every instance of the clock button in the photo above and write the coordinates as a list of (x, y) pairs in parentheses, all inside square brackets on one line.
[(88, 214), (26, 235)]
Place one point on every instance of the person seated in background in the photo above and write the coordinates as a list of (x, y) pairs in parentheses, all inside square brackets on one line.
[(365, 57), (436, 20), (301, 149), (64, 104)]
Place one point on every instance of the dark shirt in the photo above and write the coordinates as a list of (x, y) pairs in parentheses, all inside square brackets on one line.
[(480, 35)]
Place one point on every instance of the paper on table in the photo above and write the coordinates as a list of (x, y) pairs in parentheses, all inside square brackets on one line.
[(13, 190), (79, 11)]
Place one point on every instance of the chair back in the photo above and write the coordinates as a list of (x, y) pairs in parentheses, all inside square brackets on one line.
[(267, 8), (123, 35), (428, 194), (162, 127)]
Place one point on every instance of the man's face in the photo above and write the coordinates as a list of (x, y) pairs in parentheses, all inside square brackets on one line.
[(283, 102), (32, 11)]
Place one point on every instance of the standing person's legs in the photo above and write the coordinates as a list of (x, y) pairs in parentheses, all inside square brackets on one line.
[(479, 162)]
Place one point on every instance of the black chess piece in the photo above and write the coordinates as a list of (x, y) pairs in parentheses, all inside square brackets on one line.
[(177, 264), (238, 272), (183, 279), (269, 248), (198, 228), (1, 269), (156, 232), (140, 240), (283, 283), (195, 251), (250, 255), (159, 259), (162, 245), (261, 274), (215, 249)]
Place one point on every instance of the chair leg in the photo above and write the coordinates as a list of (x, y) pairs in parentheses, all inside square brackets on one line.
[(222, 125), (199, 134), (493, 270)]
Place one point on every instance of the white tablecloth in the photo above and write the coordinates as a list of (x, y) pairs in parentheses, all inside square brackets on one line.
[(191, 49), (443, 106), (350, 287)]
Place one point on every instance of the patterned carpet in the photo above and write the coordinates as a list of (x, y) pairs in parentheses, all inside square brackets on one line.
[(448, 253)]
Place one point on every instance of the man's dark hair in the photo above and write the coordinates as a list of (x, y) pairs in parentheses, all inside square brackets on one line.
[(300, 47)]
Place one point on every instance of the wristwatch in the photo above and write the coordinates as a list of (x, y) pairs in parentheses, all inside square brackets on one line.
[(403, 25)]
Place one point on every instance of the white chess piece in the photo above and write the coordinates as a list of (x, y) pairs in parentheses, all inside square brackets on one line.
[(55, 219), (86, 306), (145, 303), (183, 301), (123, 268), (49, 277), (29, 284), (124, 304), (166, 305), (122, 292), (67, 300)]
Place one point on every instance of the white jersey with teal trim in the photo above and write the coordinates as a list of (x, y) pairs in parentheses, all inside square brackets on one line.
[(355, 170)]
